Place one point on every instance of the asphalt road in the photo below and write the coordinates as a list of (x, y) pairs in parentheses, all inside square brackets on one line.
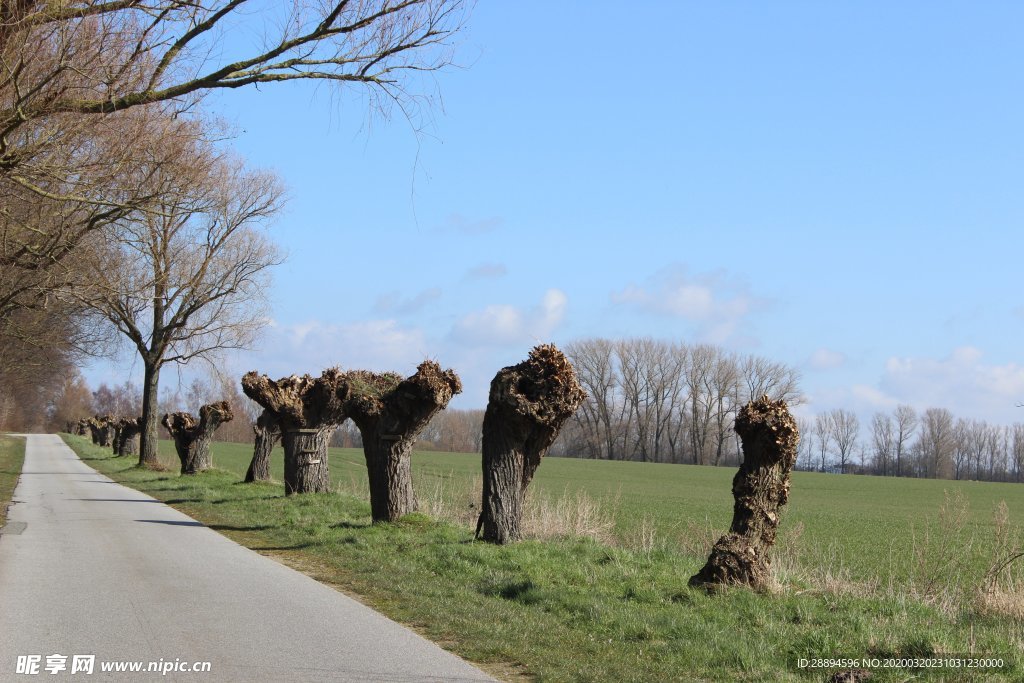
[(89, 567)]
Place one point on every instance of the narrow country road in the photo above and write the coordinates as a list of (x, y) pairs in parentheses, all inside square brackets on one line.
[(89, 567)]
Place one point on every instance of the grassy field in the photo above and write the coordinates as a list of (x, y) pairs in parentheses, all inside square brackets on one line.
[(866, 567), (12, 455)]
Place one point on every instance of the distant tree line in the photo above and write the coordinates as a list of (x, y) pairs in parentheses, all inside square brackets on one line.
[(933, 444), (656, 401)]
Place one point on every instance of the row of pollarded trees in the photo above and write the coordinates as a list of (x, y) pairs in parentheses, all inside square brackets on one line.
[(529, 402), (121, 434), (191, 436), (527, 406)]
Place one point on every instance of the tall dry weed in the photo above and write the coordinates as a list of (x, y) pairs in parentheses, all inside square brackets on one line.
[(1002, 587)]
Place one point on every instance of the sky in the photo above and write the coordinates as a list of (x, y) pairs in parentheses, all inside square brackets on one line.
[(836, 186)]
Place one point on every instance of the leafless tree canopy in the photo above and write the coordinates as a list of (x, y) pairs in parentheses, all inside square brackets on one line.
[(86, 86)]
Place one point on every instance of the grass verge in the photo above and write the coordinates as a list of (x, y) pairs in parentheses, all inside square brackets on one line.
[(12, 457), (572, 609)]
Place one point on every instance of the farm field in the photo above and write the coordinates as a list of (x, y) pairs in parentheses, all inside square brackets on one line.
[(866, 566), (868, 527)]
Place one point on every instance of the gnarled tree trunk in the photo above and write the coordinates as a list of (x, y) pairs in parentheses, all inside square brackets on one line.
[(760, 487), (307, 409), (390, 413), (268, 432), (305, 462), (192, 437), (528, 405), (127, 442)]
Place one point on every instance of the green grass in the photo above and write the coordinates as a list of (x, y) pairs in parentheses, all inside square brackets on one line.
[(12, 457), (578, 609)]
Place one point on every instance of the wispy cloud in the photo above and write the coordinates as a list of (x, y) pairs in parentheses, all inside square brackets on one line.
[(486, 271), (504, 324), (394, 304), (457, 222), (826, 359), (714, 302)]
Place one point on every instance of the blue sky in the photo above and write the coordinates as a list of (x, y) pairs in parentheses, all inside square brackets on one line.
[(833, 185)]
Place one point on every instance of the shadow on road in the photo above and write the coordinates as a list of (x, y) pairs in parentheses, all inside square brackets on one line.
[(171, 522)]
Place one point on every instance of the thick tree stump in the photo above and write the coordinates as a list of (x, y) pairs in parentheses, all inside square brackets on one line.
[(528, 405), (268, 432), (305, 469), (127, 442), (192, 437), (307, 410), (82, 428), (760, 487), (390, 413)]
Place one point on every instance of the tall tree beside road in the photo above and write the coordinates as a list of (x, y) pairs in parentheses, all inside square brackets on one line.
[(80, 81), (186, 278)]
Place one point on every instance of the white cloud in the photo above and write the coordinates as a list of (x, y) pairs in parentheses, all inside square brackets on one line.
[(826, 359), (961, 382), (315, 345), (713, 302), (505, 324)]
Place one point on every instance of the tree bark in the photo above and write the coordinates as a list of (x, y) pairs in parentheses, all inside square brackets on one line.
[(528, 405), (305, 460), (268, 432), (192, 437), (390, 413), (761, 487), (148, 453)]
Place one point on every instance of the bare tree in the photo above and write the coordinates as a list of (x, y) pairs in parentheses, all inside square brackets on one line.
[(805, 452), (595, 360), (187, 278), (845, 429), (1018, 451), (882, 441), (936, 443), (906, 424), (823, 432)]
